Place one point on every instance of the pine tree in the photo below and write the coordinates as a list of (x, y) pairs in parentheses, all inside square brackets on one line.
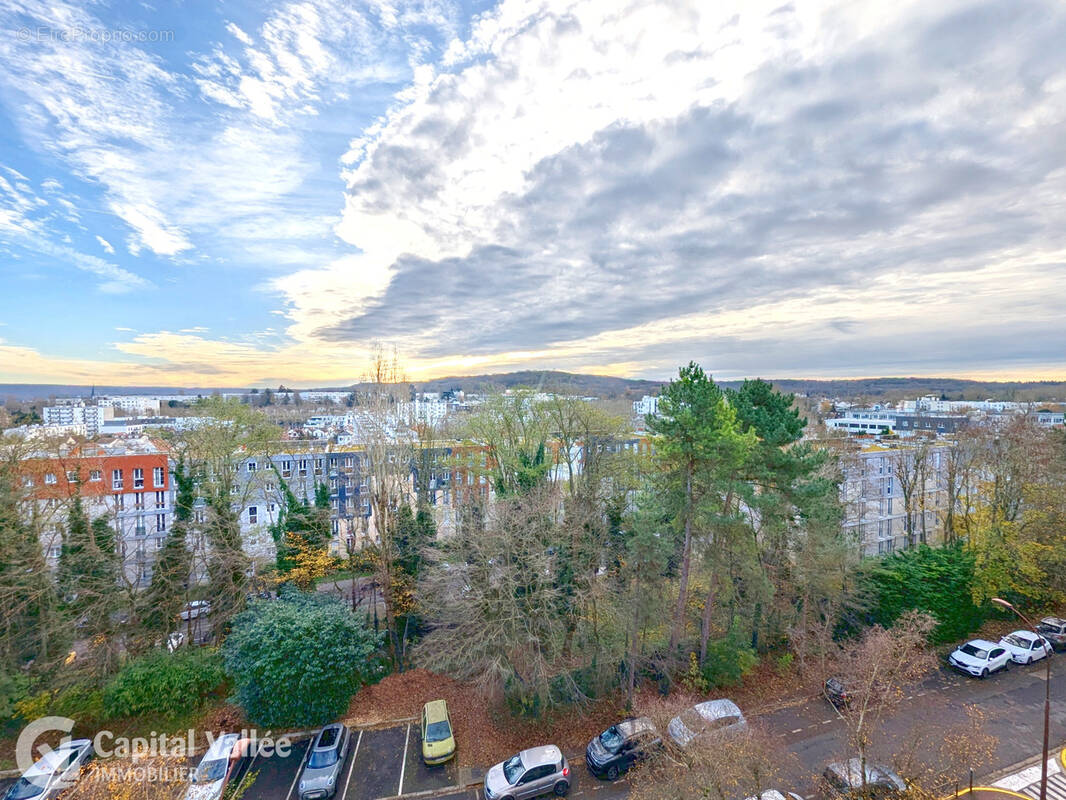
[(170, 578)]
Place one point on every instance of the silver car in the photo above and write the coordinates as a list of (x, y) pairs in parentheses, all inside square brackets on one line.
[(704, 719), (57, 770), (325, 761), (533, 772)]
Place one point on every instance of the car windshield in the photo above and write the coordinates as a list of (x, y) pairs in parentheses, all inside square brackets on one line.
[(611, 739), (25, 789), (1017, 641), (1046, 628), (512, 770), (322, 758), (438, 731), (973, 650), (211, 771)]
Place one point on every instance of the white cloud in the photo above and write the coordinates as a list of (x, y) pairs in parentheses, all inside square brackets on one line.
[(104, 243)]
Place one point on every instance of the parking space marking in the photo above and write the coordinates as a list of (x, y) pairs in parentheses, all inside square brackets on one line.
[(299, 769), (403, 759), (351, 768), (798, 730)]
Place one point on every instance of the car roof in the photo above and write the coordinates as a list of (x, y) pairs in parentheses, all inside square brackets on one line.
[(634, 725), (337, 728), (47, 763), (539, 756), (222, 747), (851, 770), (436, 711), (984, 644), (1024, 635), (715, 709), (1054, 620)]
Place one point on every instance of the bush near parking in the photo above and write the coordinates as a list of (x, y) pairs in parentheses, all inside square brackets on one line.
[(938, 581), (168, 684), (298, 660)]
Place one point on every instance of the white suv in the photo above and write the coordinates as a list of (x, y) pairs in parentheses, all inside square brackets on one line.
[(980, 658)]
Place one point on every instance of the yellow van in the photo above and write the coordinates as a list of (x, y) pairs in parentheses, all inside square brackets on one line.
[(438, 743)]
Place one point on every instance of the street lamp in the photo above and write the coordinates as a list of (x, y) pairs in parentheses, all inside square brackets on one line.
[(999, 601)]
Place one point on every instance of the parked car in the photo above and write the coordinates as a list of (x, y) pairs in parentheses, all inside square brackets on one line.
[(322, 770), (844, 779), (533, 772), (57, 769), (837, 692), (438, 741), (774, 794), (620, 746), (1025, 647), (1054, 630), (706, 718), (980, 658), (224, 763), (197, 608)]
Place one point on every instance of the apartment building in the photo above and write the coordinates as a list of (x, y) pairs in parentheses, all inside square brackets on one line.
[(76, 412), (126, 482), (895, 494)]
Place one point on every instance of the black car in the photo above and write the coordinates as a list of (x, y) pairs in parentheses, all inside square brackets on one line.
[(620, 746), (837, 692)]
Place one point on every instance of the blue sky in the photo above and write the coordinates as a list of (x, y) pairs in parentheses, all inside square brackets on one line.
[(239, 193)]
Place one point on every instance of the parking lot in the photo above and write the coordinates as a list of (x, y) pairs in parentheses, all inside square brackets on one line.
[(387, 763), (381, 763)]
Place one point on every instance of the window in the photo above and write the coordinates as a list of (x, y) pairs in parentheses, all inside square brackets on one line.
[(303, 468), (49, 478), (160, 499), (253, 515), (138, 501), (159, 478), (95, 475), (72, 476), (138, 478), (251, 466), (54, 551), (27, 482), (120, 501), (160, 523), (199, 516), (116, 479), (286, 469)]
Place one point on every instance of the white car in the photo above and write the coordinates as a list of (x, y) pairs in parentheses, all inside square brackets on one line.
[(57, 770), (197, 608), (225, 762), (1025, 647), (980, 658), (711, 716), (774, 794)]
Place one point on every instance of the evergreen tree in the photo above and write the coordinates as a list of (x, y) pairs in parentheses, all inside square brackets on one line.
[(170, 578)]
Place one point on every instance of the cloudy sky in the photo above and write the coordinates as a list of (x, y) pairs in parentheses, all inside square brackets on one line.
[(241, 193)]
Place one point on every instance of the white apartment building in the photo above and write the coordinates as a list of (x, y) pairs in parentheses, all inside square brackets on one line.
[(76, 412), (646, 405), (876, 507), (145, 405)]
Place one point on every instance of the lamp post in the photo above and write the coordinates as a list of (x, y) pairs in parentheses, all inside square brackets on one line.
[(1047, 693)]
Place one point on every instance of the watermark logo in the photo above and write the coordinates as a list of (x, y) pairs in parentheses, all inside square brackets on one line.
[(25, 752), (69, 35)]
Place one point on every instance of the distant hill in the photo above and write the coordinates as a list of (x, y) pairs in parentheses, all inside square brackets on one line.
[(43, 391), (872, 389)]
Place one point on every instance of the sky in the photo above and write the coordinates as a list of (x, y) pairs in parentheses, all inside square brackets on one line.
[(250, 193)]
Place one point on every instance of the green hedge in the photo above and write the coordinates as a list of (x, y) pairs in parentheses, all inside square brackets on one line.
[(938, 581), (167, 684)]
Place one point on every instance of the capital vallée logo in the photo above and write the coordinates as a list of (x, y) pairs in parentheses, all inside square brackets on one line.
[(26, 753)]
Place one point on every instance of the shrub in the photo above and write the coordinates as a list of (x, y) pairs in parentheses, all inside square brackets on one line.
[(728, 661), (938, 581), (83, 704), (168, 684), (297, 660)]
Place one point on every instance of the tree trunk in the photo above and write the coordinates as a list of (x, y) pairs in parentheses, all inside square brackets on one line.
[(634, 632), (707, 618), (686, 563)]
